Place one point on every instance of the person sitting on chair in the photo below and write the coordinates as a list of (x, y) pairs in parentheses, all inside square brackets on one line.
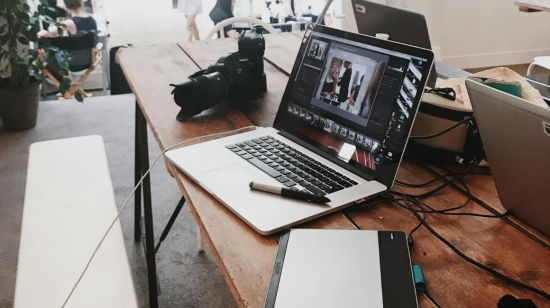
[(80, 21), (224, 10)]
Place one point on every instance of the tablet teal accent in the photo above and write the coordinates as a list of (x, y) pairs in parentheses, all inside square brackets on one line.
[(419, 278)]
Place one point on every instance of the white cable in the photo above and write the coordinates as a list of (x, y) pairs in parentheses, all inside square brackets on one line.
[(130, 196)]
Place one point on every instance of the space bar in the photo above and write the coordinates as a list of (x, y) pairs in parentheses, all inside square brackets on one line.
[(264, 167)]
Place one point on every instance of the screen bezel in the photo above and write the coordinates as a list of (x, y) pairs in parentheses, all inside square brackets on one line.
[(360, 38)]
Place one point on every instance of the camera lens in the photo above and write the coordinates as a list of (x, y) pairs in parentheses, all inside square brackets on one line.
[(191, 96)]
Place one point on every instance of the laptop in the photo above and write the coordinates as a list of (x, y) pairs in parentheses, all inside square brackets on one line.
[(346, 144), (516, 139), (342, 268), (401, 25)]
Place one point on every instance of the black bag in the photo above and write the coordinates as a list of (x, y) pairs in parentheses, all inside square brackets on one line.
[(119, 84)]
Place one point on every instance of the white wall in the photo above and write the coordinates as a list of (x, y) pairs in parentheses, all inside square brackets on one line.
[(479, 33)]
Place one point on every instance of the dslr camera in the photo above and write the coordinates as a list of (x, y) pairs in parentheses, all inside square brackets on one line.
[(235, 78)]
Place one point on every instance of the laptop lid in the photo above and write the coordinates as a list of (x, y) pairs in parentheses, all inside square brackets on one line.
[(401, 25), (352, 99), (516, 139), (342, 268)]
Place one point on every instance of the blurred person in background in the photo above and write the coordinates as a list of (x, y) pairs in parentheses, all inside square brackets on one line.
[(223, 10), (191, 8)]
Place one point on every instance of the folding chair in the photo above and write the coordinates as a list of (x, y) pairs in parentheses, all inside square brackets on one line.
[(86, 56)]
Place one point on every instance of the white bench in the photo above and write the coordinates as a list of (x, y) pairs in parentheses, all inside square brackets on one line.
[(69, 204)]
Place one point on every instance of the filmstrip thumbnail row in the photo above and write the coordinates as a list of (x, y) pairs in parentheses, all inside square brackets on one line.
[(330, 126)]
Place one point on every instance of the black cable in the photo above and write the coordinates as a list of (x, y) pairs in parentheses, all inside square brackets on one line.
[(457, 124), (470, 260), (404, 184), (431, 298)]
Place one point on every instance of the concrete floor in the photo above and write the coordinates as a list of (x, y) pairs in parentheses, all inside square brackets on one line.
[(187, 278)]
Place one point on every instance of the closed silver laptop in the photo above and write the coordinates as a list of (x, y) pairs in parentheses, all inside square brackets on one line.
[(341, 129), (516, 139)]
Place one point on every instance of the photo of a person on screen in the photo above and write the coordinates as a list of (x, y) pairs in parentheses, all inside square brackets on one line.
[(344, 82), (332, 78)]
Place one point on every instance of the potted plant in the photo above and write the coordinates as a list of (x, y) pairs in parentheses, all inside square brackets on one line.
[(23, 56)]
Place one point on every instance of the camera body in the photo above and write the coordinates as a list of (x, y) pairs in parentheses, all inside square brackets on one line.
[(235, 78)]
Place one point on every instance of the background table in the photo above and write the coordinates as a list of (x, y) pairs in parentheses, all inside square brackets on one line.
[(533, 5), (246, 258)]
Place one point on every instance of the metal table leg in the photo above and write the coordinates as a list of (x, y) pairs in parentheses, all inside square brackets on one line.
[(170, 223), (137, 177), (147, 210)]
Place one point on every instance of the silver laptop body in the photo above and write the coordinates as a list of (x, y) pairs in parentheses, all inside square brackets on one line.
[(325, 135), (516, 138)]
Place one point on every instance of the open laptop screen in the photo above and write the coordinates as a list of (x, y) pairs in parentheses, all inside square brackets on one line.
[(354, 98)]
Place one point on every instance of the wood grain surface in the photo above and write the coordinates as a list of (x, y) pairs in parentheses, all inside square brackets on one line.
[(246, 258)]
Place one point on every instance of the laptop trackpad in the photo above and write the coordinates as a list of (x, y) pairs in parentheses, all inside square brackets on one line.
[(231, 180)]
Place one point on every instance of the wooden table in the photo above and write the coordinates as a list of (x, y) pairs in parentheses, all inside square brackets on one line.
[(533, 5), (246, 258)]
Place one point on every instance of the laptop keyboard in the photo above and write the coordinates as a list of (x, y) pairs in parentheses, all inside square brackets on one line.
[(292, 168)]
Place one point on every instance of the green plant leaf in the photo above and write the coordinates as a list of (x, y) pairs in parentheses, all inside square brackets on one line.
[(79, 97), (64, 64), (64, 85)]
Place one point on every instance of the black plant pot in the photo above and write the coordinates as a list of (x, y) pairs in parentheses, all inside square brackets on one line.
[(19, 106)]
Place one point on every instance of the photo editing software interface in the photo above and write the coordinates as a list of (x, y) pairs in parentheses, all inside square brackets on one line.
[(355, 102)]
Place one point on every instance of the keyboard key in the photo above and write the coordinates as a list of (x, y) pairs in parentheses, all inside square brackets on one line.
[(240, 145), (263, 158), (250, 143), (262, 150), (323, 187), (264, 138), (256, 154), (289, 184), (273, 164), (292, 176), (273, 157), (294, 188), (297, 179), (344, 183), (285, 172), (278, 168), (246, 148), (257, 147), (309, 178), (278, 160), (231, 146), (315, 190), (291, 168), (353, 182), (247, 156), (267, 161), (282, 179), (236, 149), (241, 152), (257, 140), (285, 164), (263, 144), (269, 148), (265, 168), (270, 141)]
